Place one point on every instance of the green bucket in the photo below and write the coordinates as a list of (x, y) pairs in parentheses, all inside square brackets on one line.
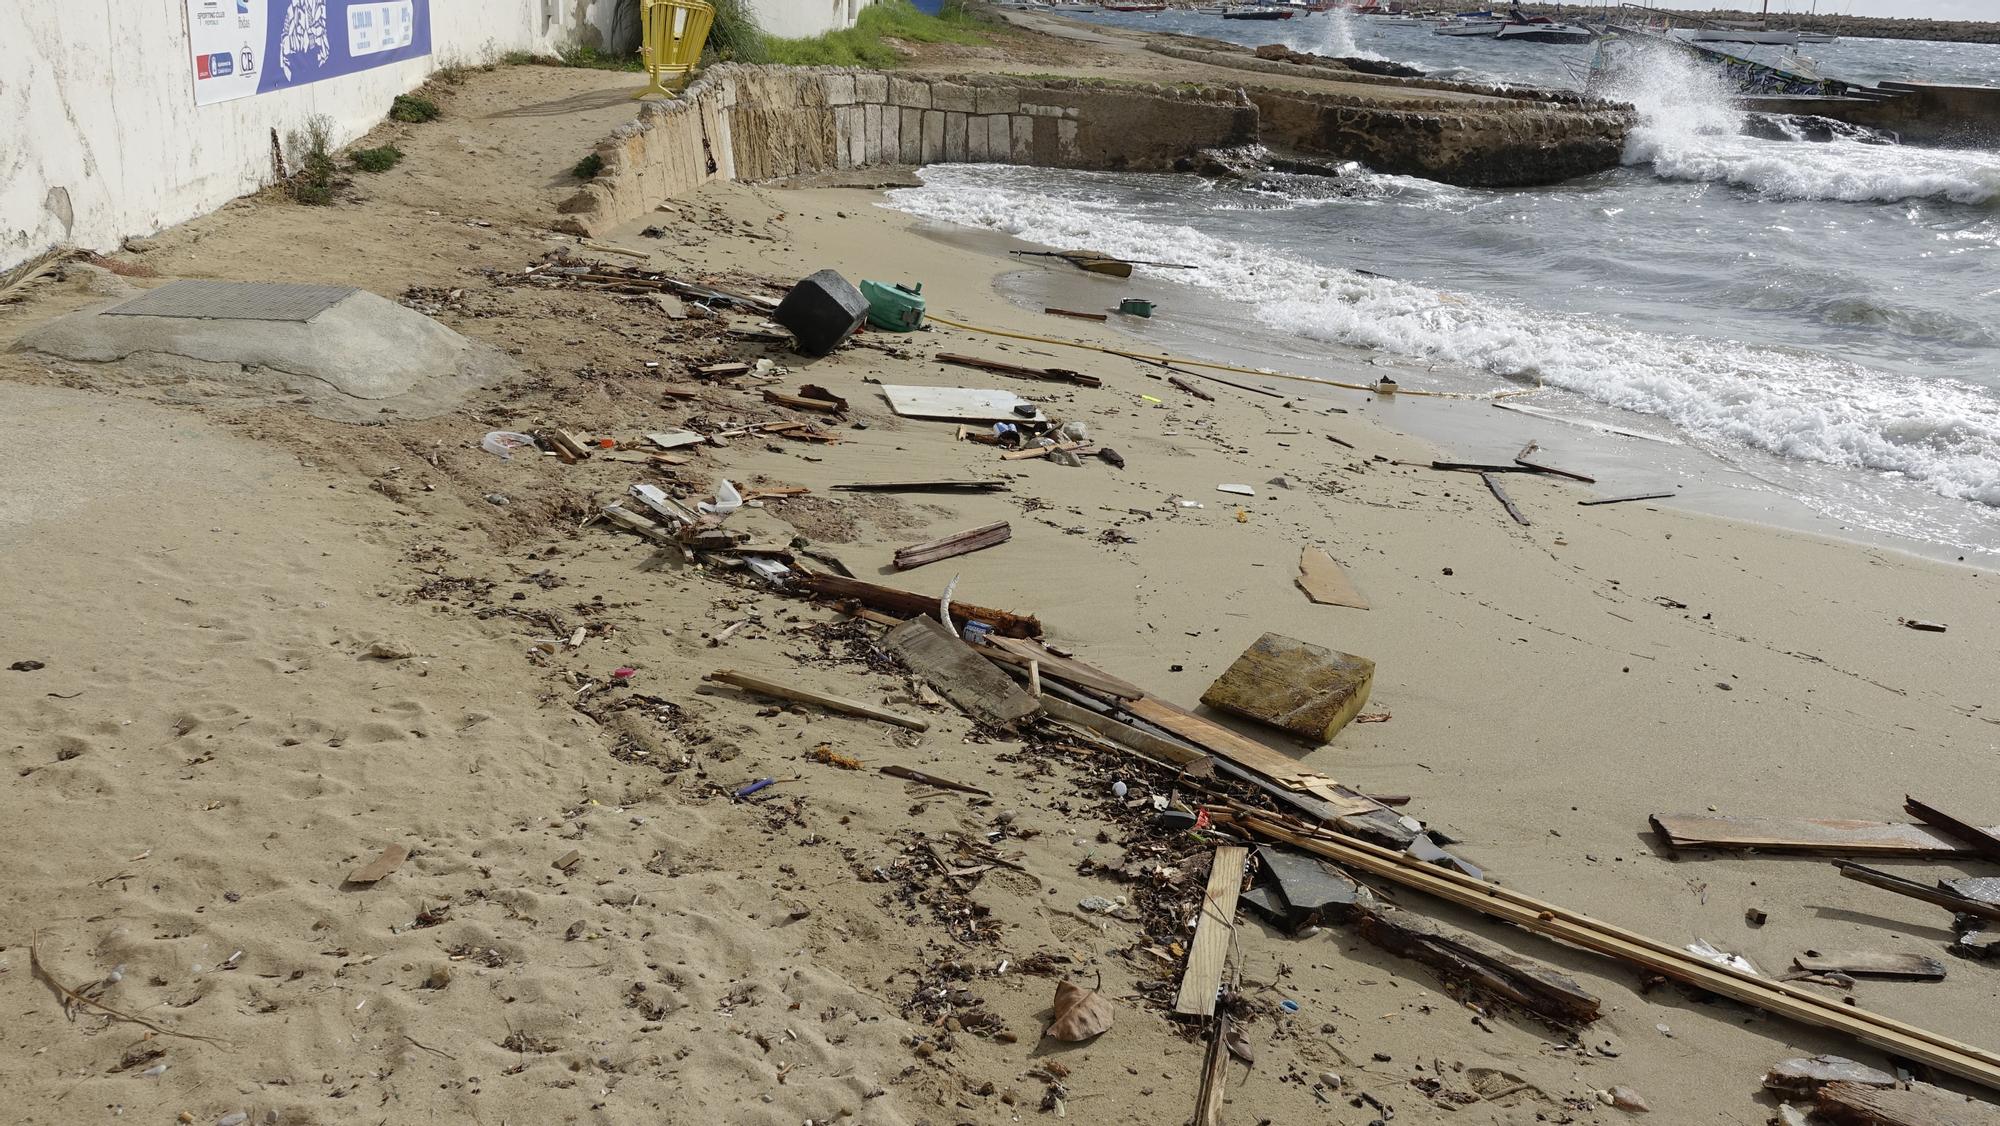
[(1134, 307)]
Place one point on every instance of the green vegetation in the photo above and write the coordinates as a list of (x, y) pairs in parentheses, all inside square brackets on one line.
[(314, 180), (735, 36), (865, 44), (588, 167), (414, 108), (591, 58), (378, 159)]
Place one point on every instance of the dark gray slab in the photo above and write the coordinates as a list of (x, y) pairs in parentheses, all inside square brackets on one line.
[(234, 301)]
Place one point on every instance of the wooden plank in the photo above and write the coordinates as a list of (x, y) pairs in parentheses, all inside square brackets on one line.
[(1248, 754), (1855, 1104), (1552, 471), (1057, 375), (1295, 686), (1213, 930), (1803, 834), (387, 861), (1073, 314), (1588, 424), (951, 546), (952, 667), (1190, 388), (925, 487), (1208, 1097), (1478, 467), (908, 774), (906, 604), (1872, 963), (723, 370), (1068, 669), (832, 703), (1981, 841), (633, 522), (1576, 929), (1324, 582), (1628, 497), (1125, 735), (958, 404), (1500, 494), (1487, 968), (1949, 900), (801, 402)]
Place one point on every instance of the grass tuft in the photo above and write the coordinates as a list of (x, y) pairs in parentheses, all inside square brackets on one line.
[(315, 180), (414, 108), (378, 159)]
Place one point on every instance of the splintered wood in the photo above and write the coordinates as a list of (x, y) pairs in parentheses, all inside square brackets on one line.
[(1209, 951), (961, 543)]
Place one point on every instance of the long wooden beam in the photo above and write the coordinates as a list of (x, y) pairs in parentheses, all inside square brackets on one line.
[(1977, 1065)]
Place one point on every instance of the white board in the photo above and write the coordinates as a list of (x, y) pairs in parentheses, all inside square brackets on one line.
[(957, 404)]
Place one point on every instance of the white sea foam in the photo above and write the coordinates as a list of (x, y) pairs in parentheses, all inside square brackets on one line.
[(1792, 402), (1689, 130)]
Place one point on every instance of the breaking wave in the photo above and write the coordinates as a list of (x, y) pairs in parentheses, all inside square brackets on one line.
[(1793, 402), (1689, 130)]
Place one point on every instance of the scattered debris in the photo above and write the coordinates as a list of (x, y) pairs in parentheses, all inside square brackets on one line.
[(1324, 582), (1079, 1013), (387, 861), (840, 704)]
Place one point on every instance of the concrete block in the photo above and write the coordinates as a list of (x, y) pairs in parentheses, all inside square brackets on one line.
[(946, 96), (910, 93), (999, 138), (871, 124), (1038, 109), (933, 151), (845, 126), (857, 138), (910, 136), (955, 146), (871, 88), (996, 99), (892, 135), (839, 89), (1022, 134), (976, 148), (1066, 149)]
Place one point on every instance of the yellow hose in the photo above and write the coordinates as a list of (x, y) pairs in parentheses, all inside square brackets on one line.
[(1162, 359)]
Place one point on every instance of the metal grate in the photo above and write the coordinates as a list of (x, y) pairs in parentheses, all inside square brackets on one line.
[(235, 301)]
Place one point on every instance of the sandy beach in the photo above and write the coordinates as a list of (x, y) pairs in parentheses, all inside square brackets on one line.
[(269, 646)]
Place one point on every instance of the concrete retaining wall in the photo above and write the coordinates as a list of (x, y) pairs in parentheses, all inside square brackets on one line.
[(1518, 146), (100, 137), (759, 123)]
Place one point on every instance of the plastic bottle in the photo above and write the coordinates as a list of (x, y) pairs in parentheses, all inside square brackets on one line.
[(505, 442)]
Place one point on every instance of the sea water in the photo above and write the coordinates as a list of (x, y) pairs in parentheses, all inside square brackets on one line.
[(1821, 318)]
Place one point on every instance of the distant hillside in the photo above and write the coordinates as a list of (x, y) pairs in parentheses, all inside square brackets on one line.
[(1877, 27)]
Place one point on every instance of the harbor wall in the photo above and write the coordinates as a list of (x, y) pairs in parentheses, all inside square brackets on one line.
[(769, 123), (103, 138)]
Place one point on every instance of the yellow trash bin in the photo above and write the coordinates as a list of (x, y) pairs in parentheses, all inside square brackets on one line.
[(672, 34)]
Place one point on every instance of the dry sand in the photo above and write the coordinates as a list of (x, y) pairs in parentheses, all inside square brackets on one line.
[(210, 748)]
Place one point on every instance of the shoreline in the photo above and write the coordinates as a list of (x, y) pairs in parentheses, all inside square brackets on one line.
[(1463, 428), (280, 645)]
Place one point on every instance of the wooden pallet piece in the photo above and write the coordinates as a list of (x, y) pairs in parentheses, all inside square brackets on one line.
[(1978, 1065), (1981, 841), (1125, 735), (1295, 686), (1484, 966), (1213, 931), (1069, 670), (1249, 754)]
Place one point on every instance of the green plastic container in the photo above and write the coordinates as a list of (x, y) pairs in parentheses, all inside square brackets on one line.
[(1134, 307), (897, 308)]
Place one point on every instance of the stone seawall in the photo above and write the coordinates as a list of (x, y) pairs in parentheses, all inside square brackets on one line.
[(767, 123)]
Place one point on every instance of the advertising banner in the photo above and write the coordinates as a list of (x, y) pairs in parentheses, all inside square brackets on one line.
[(244, 47)]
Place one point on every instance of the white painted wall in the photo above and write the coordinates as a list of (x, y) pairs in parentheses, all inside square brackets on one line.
[(100, 137), (802, 19)]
